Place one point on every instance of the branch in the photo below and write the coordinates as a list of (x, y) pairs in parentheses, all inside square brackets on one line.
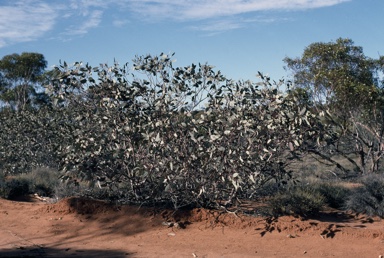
[(323, 156)]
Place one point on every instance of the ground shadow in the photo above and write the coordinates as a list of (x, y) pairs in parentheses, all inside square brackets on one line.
[(53, 252), (333, 217), (111, 218)]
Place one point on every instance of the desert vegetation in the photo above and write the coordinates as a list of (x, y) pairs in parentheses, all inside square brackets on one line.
[(149, 133)]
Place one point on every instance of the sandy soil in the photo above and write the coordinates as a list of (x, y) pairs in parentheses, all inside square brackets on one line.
[(81, 228)]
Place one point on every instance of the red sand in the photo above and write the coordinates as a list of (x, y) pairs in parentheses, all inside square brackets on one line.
[(82, 228)]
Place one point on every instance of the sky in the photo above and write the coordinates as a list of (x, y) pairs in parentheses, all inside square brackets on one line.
[(238, 37)]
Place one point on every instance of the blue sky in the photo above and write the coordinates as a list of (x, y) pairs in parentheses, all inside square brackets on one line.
[(238, 37)]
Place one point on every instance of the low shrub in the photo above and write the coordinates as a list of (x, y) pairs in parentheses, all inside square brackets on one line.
[(41, 181), (302, 200), (45, 182), (335, 195), (11, 188), (369, 198)]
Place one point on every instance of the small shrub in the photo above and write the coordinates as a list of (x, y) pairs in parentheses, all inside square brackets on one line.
[(335, 195), (42, 181), (14, 187), (369, 198), (299, 200)]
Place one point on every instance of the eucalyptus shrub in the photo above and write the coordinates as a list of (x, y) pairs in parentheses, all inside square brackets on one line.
[(184, 135)]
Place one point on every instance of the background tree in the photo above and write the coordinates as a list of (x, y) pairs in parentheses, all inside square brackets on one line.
[(20, 79), (342, 81), (337, 74)]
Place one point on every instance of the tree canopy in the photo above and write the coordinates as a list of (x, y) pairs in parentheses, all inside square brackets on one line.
[(19, 78), (336, 73)]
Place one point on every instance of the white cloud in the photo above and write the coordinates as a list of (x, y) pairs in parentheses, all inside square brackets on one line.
[(211, 28), (204, 9), (25, 21), (120, 22), (92, 20), (85, 6), (222, 25), (215, 26)]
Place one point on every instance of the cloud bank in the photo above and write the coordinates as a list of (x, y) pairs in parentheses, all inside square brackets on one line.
[(205, 9), (27, 20)]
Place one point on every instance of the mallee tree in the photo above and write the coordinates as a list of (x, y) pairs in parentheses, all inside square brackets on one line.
[(339, 80)]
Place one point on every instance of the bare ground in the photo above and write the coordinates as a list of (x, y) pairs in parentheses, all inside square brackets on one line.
[(76, 227)]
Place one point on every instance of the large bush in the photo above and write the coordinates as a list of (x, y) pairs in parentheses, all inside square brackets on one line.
[(160, 134), (184, 135)]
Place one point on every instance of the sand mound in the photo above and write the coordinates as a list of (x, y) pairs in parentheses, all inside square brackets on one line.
[(82, 227), (79, 206), (325, 225)]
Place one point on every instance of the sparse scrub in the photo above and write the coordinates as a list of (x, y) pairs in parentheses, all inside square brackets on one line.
[(368, 198), (41, 181)]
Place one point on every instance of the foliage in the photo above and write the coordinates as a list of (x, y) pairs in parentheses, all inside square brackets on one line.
[(368, 199), (184, 135), (302, 200), (28, 140), (303, 196)]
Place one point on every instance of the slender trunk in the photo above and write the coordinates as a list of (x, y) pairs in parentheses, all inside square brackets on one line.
[(362, 160)]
